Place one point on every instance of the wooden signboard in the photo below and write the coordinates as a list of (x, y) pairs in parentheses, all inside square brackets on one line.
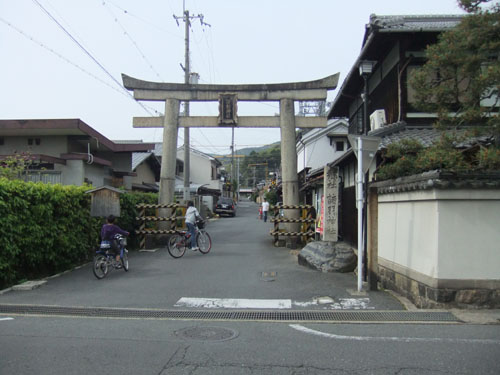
[(105, 201)]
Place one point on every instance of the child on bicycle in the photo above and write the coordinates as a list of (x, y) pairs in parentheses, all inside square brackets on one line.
[(108, 233), (191, 215)]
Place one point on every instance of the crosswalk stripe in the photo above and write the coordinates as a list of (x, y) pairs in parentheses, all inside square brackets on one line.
[(234, 303), (245, 303)]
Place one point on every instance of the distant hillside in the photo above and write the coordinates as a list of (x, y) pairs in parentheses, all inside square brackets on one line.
[(248, 150)]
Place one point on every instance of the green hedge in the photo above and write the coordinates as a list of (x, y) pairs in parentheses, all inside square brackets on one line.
[(46, 229)]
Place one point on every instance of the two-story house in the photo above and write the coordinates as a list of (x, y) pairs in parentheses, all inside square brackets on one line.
[(69, 152), (393, 47), (204, 175), (428, 236), (315, 149)]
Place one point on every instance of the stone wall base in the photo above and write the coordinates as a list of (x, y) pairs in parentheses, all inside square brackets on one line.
[(426, 297)]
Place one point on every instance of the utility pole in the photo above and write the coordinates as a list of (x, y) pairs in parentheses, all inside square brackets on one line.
[(256, 164), (238, 180), (232, 161), (186, 18)]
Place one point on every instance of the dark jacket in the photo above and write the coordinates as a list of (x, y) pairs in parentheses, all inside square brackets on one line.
[(109, 231)]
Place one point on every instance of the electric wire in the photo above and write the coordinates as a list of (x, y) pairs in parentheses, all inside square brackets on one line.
[(89, 55), (127, 34), (61, 56), (146, 22)]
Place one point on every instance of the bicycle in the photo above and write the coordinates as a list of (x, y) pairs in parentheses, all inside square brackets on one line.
[(181, 240), (105, 258)]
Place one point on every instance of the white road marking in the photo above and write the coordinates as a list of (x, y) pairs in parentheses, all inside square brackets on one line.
[(242, 303), (300, 328), (341, 304), (234, 303), (6, 319)]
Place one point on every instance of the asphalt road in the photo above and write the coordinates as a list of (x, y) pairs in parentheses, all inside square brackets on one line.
[(242, 266)]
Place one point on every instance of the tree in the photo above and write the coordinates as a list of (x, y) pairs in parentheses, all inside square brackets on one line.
[(13, 166), (255, 165), (461, 79)]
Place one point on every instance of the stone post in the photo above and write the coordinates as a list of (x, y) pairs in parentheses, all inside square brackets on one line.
[(169, 152), (289, 177)]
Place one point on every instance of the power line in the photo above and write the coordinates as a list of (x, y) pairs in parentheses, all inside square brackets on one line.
[(61, 56), (149, 23), (127, 34), (89, 55)]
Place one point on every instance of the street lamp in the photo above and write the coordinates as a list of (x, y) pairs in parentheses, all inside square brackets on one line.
[(365, 69)]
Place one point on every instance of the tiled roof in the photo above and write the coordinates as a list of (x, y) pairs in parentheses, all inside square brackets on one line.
[(425, 134), (138, 158), (398, 131), (413, 23)]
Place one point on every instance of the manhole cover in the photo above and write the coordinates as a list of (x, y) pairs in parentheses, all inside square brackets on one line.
[(207, 333)]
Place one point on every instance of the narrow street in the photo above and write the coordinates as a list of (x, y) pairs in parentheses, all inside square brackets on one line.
[(127, 322)]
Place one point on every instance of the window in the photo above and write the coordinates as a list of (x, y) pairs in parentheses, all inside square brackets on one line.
[(458, 85), (339, 146), (1, 141), (32, 141)]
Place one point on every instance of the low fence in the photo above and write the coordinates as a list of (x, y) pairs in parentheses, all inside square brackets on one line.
[(307, 220), (144, 219)]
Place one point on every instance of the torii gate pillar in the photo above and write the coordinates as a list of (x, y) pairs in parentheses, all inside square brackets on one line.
[(169, 152), (289, 177)]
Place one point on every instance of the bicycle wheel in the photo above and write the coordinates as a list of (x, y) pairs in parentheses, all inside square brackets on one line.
[(124, 260), (176, 245), (204, 242), (100, 267)]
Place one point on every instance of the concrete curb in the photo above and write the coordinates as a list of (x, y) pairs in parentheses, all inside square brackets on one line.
[(469, 316), (33, 284)]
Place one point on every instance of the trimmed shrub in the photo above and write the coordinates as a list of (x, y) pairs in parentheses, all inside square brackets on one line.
[(44, 229), (410, 157)]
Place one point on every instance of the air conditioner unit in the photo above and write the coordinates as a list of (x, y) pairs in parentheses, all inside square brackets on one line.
[(377, 119)]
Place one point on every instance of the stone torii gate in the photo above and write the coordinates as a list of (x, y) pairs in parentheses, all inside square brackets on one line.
[(228, 96)]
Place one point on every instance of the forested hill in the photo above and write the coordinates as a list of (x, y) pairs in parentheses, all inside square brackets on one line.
[(247, 151), (255, 163)]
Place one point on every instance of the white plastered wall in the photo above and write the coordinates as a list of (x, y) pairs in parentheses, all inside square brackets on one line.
[(442, 234)]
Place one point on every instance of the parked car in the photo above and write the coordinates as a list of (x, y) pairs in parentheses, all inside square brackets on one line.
[(225, 206)]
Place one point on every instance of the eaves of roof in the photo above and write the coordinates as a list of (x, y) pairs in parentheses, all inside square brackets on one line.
[(347, 156), (374, 31), (139, 157), (66, 127)]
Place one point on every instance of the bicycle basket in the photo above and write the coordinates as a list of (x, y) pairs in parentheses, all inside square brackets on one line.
[(200, 224), (120, 240)]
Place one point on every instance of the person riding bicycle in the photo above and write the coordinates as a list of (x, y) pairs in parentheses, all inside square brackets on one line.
[(108, 233), (191, 215)]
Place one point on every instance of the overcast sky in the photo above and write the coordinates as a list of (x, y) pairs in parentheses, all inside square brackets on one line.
[(64, 58)]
